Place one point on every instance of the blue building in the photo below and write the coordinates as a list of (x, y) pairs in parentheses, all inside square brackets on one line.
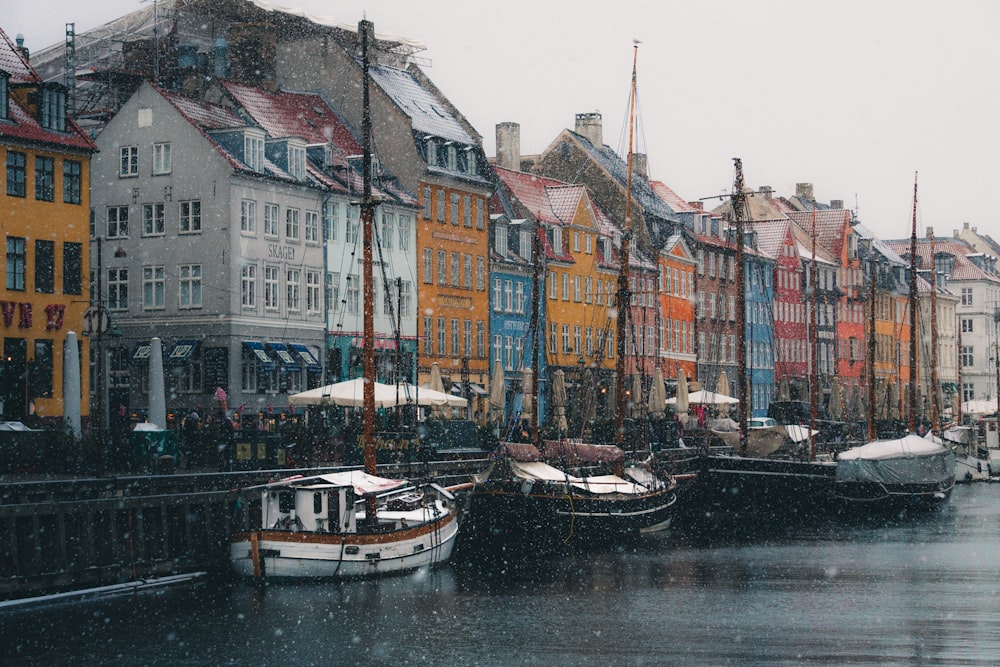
[(512, 340), (759, 297)]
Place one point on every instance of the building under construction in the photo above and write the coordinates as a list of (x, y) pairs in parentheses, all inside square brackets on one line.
[(180, 44)]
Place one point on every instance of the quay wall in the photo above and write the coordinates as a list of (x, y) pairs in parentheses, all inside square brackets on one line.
[(64, 534)]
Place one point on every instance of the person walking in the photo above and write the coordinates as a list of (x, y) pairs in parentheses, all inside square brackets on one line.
[(227, 444)]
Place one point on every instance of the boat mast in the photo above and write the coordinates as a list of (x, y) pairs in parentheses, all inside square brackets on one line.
[(935, 390), (536, 260), (365, 30), (623, 297), (873, 281), (912, 398), (739, 209), (813, 363)]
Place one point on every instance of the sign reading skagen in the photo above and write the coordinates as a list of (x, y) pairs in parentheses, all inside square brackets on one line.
[(452, 301), (276, 251)]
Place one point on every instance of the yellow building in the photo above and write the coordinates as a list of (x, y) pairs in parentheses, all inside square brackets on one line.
[(44, 214)]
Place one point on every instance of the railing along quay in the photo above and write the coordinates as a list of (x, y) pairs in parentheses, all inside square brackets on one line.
[(57, 534)]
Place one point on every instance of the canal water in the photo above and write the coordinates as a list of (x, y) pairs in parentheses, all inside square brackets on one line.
[(922, 592)]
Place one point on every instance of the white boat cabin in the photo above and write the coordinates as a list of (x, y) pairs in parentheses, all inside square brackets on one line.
[(318, 508)]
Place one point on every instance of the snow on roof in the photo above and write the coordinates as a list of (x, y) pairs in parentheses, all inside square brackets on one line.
[(427, 113)]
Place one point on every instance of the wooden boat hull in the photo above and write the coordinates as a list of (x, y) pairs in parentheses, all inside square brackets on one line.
[(508, 512), (291, 554), (729, 487)]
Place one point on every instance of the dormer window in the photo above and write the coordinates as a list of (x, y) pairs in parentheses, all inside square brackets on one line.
[(452, 157), (526, 244), (4, 93), (470, 160), (557, 243), (500, 240), (297, 161), (432, 151), (52, 110), (253, 150)]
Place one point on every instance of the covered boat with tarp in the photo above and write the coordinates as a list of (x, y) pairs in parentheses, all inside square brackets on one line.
[(895, 474), (521, 499)]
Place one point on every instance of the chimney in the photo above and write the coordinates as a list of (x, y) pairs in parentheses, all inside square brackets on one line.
[(837, 204), (21, 47), (804, 191), (700, 205), (640, 165), (589, 125), (930, 232), (509, 146), (767, 192)]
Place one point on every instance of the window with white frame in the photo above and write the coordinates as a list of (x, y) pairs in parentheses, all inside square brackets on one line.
[(442, 267), (497, 351), (481, 339), (404, 232), (519, 297), (293, 285), (428, 266), (480, 273), (311, 227), (161, 158), (190, 216), (330, 212), (270, 220), (405, 298), (352, 226), (467, 271), (428, 335), (467, 338), (966, 296), (388, 230), (248, 216), (189, 276), (353, 294), (442, 335), (128, 161), (313, 300), (497, 295), (292, 224), (270, 287), (565, 339), (152, 219), (118, 289), (153, 287), (467, 211), (454, 337), (500, 240), (968, 356), (253, 150), (248, 285), (333, 292), (297, 162), (117, 222)]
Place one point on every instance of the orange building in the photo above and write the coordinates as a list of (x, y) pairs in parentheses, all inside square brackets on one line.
[(676, 289), (44, 214)]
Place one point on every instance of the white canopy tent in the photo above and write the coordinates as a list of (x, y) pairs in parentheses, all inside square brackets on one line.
[(350, 393), (705, 397)]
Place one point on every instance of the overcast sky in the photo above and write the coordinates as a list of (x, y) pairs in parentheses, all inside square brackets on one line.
[(852, 96)]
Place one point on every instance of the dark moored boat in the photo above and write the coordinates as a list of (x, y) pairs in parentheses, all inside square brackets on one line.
[(522, 500)]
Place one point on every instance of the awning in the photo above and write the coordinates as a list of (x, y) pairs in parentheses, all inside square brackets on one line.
[(308, 358), (140, 354), (949, 387), (181, 352), (261, 356), (380, 343), (474, 389), (285, 357)]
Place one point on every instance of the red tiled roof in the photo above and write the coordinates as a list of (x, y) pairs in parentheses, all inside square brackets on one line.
[(529, 191), (831, 227), (672, 199), (303, 115)]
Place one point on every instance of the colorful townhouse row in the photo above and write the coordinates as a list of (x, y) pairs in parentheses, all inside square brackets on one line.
[(224, 209)]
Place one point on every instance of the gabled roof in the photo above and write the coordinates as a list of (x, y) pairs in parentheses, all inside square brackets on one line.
[(771, 235), (881, 246), (426, 112), (643, 193), (20, 125), (805, 245), (832, 227), (565, 200), (529, 192)]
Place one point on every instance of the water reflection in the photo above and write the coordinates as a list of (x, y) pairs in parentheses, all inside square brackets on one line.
[(918, 592)]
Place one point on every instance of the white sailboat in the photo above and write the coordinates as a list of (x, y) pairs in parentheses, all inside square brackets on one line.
[(354, 523)]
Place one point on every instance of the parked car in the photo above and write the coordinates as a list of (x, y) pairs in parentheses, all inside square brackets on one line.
[(761, 422)]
